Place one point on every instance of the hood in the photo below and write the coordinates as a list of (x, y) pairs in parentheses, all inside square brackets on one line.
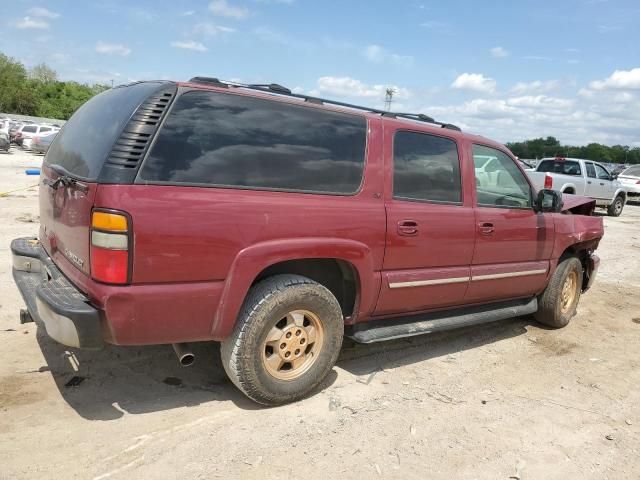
[(578, 205)]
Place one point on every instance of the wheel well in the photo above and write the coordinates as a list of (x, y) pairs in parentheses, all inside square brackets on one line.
[(569, 190), (338, 276), (581, 252)]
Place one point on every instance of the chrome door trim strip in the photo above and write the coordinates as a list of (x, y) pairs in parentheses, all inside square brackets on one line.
[(424, 283), (495, 276)]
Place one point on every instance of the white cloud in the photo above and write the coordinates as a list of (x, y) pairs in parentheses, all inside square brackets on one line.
[(620, 79), (476, 82), (112, 49), (537, 86), (42, 12), (538, 58), (436, 26), (350, 87), (189, 45), (499, 52), (188, 13), (31, 23), (210, 30), (378, 54), (609, 28), (225, 9)]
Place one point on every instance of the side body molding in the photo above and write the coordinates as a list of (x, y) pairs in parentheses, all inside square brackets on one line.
[(254, 259)]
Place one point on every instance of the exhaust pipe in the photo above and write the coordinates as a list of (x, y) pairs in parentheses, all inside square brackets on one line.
[(184, 353), (25, 316)]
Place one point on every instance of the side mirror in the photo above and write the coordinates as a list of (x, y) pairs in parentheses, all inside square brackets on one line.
[(549, 201)]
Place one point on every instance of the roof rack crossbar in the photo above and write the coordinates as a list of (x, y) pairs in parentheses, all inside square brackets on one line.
[(281, 90)]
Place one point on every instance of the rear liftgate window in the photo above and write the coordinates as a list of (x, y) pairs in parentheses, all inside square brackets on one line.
[(84, 143), (230, 140)]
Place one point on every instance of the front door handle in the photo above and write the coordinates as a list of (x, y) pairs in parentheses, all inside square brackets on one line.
[(486, 228), (407, 228)]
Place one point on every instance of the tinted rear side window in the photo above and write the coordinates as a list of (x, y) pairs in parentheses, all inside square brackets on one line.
[(30, 129), (236, 141), (425, 167), (84, 143)]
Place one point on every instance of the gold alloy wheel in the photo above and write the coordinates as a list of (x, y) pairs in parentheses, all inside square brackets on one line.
[(293, 345), (569, 291)]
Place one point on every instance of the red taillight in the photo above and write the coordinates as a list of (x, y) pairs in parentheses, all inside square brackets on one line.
[(548, 182), (110, 247), (109, 266)]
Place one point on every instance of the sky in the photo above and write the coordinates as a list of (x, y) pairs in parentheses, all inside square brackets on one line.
[(509, 70)]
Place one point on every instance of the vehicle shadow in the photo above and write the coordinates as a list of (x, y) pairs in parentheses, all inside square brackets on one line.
[(115, 381), (365, 359)]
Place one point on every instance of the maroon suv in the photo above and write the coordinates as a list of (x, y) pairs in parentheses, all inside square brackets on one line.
[(276, 223)]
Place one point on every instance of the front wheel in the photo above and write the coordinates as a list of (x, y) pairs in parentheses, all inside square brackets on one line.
[(559, 301), (286, 340), (615, 209)]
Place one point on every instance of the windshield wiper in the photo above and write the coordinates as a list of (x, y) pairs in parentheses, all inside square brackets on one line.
[(64, 179)]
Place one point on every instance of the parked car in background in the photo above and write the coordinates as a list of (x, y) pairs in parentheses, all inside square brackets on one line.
[(4, 141), (277, 223), (13, 131), (526, 164), (29, 131), (581, 177), (41, 142), (630, 180), (618, 168)]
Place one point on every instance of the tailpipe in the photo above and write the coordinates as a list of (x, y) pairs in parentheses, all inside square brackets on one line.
[(184, 353)]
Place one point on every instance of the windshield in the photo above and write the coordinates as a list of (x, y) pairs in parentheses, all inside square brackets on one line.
[(84, 143), (631, 171)]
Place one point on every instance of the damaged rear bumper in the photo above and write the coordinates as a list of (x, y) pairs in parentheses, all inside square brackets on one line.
[(52, 300)]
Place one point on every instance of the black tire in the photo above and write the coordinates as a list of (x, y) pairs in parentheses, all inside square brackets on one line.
[(615, 209), (267, 303), (552, 311)]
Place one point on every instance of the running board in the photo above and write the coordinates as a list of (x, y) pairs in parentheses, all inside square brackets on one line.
[(389, 329)]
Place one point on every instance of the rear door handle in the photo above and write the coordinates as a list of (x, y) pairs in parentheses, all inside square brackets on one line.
[(486, 228), (407, 228)]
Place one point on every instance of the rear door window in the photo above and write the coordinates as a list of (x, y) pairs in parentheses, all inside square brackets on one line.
[(84, 143), (591, 172), (426, 167), (30, 129), (227, 140)]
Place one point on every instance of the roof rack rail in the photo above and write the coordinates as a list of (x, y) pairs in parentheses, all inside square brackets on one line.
[(209, 81), (281, 90)]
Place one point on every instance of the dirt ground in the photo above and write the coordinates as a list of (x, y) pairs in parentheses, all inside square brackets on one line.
[(499, 401)]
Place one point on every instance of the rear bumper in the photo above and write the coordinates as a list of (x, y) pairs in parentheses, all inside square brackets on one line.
[(52, 300), (80, 312)]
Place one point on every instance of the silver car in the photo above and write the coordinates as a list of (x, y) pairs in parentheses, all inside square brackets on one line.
[(41, 143), (630, 180)]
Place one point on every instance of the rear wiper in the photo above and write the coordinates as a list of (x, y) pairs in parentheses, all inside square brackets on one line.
[(64, 179)]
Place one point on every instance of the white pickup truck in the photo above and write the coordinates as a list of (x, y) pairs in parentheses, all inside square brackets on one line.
[(581, 177)]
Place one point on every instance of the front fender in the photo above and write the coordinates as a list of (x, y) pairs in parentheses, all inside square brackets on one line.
[(254, 259)]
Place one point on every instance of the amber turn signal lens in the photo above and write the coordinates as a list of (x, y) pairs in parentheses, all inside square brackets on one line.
[(109, 221)]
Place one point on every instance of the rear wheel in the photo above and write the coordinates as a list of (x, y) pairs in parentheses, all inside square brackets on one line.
[(286, 340), (615, 209), (559, 302)]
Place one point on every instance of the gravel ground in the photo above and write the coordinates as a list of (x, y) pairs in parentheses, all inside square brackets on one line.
[(505, 400)]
